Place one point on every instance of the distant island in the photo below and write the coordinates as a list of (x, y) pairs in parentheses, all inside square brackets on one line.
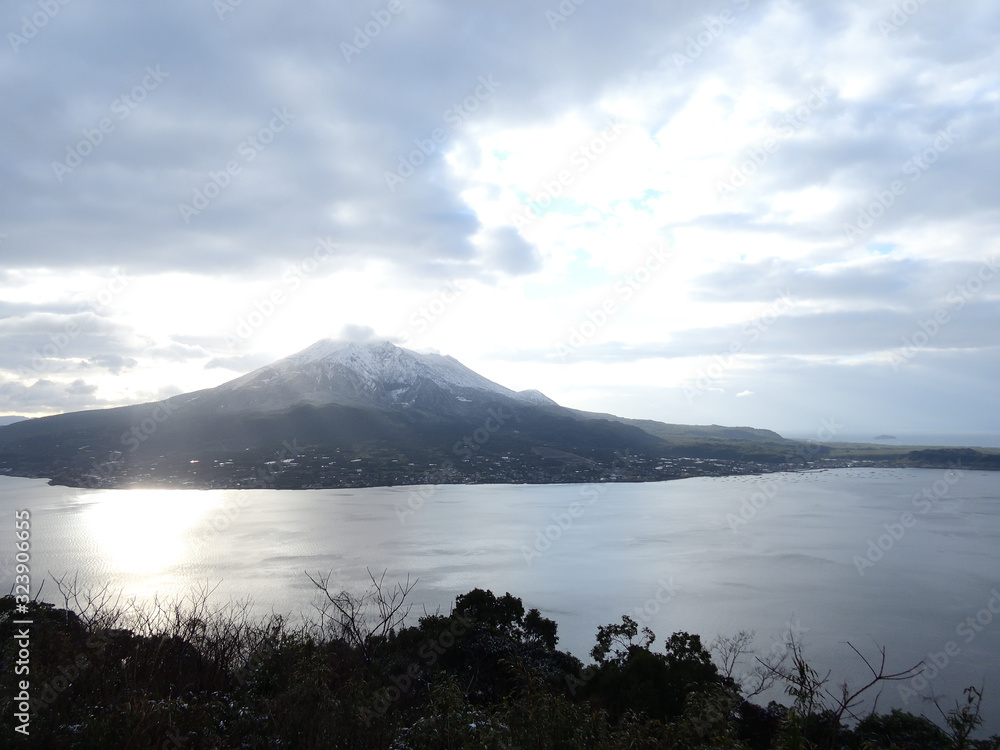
[(343, 414), (885, 437)]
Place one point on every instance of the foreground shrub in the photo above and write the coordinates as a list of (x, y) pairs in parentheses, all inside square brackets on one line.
[(106, 674)]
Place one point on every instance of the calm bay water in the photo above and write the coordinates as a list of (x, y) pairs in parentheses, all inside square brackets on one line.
[(908, 559)]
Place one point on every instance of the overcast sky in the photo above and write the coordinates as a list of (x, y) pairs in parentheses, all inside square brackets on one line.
[(759, 212)]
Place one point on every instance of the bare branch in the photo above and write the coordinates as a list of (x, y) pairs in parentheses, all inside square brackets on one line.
[(352, 618)]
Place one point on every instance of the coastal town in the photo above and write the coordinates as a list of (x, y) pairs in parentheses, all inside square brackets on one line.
[(295, 466)]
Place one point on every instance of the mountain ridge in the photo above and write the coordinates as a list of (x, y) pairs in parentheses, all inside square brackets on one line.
[(344, 414), (379, 375)]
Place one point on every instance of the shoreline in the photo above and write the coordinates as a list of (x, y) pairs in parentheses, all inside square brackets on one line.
[(692, 468)]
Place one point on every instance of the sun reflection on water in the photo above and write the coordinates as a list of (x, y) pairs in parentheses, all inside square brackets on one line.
[(147, 531)]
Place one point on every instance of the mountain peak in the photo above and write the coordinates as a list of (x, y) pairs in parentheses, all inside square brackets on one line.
[(326, 348), (376, 373)]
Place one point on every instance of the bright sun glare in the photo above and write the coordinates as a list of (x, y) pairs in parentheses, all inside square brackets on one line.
[(146, 531)]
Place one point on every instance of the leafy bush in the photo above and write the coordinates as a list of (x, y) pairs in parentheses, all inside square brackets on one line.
[(486, 675)]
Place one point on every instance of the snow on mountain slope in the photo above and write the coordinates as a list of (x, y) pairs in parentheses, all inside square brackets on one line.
[(378, 374), (535, 397)]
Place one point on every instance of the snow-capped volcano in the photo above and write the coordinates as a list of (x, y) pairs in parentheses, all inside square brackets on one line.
[(365, 375), (340, 414)]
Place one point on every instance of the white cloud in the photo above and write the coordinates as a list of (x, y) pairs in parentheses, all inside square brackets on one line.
[(535, 199)]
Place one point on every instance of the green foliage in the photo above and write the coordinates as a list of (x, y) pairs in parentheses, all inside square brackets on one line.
[(487, 675), (620, 640), (632, 678), (541, 629), (484, 608), (506, 615), (965, 719), (900, 731)]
